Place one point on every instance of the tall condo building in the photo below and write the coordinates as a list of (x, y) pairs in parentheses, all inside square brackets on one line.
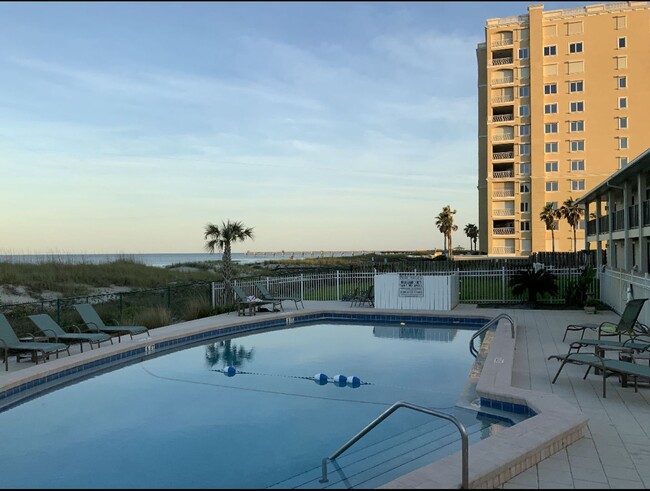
[(563, 102)]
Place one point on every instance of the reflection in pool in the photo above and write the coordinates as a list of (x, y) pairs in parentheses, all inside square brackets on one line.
[(180, 420)]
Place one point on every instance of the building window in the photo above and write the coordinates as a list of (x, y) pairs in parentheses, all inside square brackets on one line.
[(551, 166), (524, 169), (550, 108), (550, 89), (573, 28), (620, 22), (524, 91), (576, 86), (622, 102), (622, 143), (548, 128), (523, 207), (622, 42), (577, 165), (550, 50), (621, 62), (550, 147), (551, 186), (524, 130), (577, 145), (578, 185), (575, 47), (575, 126), (524, 110), (577, 106), (525, 225), (575, 67), (622, 162), (622, 123), (524, 73), (524, 149), (523, 53), (550, 69), (621, 82), (553, 204), (524, 188)]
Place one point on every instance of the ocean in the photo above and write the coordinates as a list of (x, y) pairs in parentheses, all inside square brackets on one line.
[(160, 260)]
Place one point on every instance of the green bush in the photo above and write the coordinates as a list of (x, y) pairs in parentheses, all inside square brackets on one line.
[(196, 308), (154, 317)]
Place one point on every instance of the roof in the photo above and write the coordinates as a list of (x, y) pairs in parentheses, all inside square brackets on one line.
[(639, 164)]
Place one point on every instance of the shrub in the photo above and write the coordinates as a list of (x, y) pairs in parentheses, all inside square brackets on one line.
[(154, 317), (196, 308)]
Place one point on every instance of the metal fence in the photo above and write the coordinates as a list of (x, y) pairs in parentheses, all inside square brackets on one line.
[(477, 286)]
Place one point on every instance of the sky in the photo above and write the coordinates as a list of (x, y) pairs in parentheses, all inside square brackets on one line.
[(127, 127)]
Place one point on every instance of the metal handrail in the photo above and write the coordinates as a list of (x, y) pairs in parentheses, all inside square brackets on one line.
[(503, 315), (388, 412)]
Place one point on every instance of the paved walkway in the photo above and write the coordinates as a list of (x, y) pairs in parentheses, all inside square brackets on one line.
[(615, 453)]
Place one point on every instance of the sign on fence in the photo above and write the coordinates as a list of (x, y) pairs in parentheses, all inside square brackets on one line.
[(410, 285)]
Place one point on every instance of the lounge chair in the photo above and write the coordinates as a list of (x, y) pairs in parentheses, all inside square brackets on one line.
[(9, 342), (265, 294), (251, 303), (365, 297), (606, 366), (625, 324), (92, 319), (52, 330)]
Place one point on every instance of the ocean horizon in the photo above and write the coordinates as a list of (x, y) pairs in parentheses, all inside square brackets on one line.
[(161, 259)]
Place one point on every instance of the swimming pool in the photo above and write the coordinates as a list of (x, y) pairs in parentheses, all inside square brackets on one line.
[(179, 421)]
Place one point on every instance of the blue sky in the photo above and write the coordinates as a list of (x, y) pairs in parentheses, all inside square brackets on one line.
[(127, 127)]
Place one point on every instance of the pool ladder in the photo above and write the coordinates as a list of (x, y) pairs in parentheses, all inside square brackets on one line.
[(388, 412), (472, 349)]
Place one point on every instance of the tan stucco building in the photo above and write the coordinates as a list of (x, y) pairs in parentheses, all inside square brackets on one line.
[(564, 101)]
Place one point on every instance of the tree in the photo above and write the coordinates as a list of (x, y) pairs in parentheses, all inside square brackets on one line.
[(548, 216), (227, 352), (572, 213), (471, 231), (536, 282), (220, 238), (445, 223)]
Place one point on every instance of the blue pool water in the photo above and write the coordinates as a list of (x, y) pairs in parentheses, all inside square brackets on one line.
[(177, 421)]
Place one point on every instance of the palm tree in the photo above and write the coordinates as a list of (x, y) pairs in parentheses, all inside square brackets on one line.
[(548, 216), (537, 282), (573, 214), (471, 231), (445, 223), (229, 353), (220, 238)]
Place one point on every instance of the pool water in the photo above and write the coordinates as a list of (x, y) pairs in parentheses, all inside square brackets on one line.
[(178, 421)]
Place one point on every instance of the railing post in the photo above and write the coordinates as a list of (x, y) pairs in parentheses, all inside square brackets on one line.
[(120, 297), (302, 286), (503, 283), (213, 295), (338, 286), (58, 311)]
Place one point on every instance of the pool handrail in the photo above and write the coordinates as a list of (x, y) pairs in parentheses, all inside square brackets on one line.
[(502, 315), (388, 412)]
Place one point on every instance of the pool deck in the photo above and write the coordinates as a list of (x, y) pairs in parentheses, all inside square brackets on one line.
[(612, 450)]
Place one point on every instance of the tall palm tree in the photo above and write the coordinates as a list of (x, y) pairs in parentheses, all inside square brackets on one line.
[(220, 238), (572, 213), (231, 354), (471, 231), (445, 223), (548, 216)]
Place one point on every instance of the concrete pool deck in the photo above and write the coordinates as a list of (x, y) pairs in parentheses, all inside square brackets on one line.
[(611, 437)]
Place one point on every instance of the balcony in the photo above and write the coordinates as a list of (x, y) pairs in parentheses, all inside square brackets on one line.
[(646, 213), (503, 193), (499, 43), (503, 80), (633, 216), (503, 231), (502, 99), (502, 61), (618, 221), (503, 250), (503, 137), (503, 155), (503, 174), (503, 212), (500, 118), (604, 225)]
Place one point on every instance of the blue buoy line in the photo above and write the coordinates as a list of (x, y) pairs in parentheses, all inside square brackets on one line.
[(320, 378)]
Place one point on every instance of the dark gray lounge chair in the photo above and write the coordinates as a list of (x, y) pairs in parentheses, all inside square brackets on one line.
[(606, 366), (265, 294), (367, 296), (9, 343), (91, 318), (52, 330), (244, 303), (625, 324)]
